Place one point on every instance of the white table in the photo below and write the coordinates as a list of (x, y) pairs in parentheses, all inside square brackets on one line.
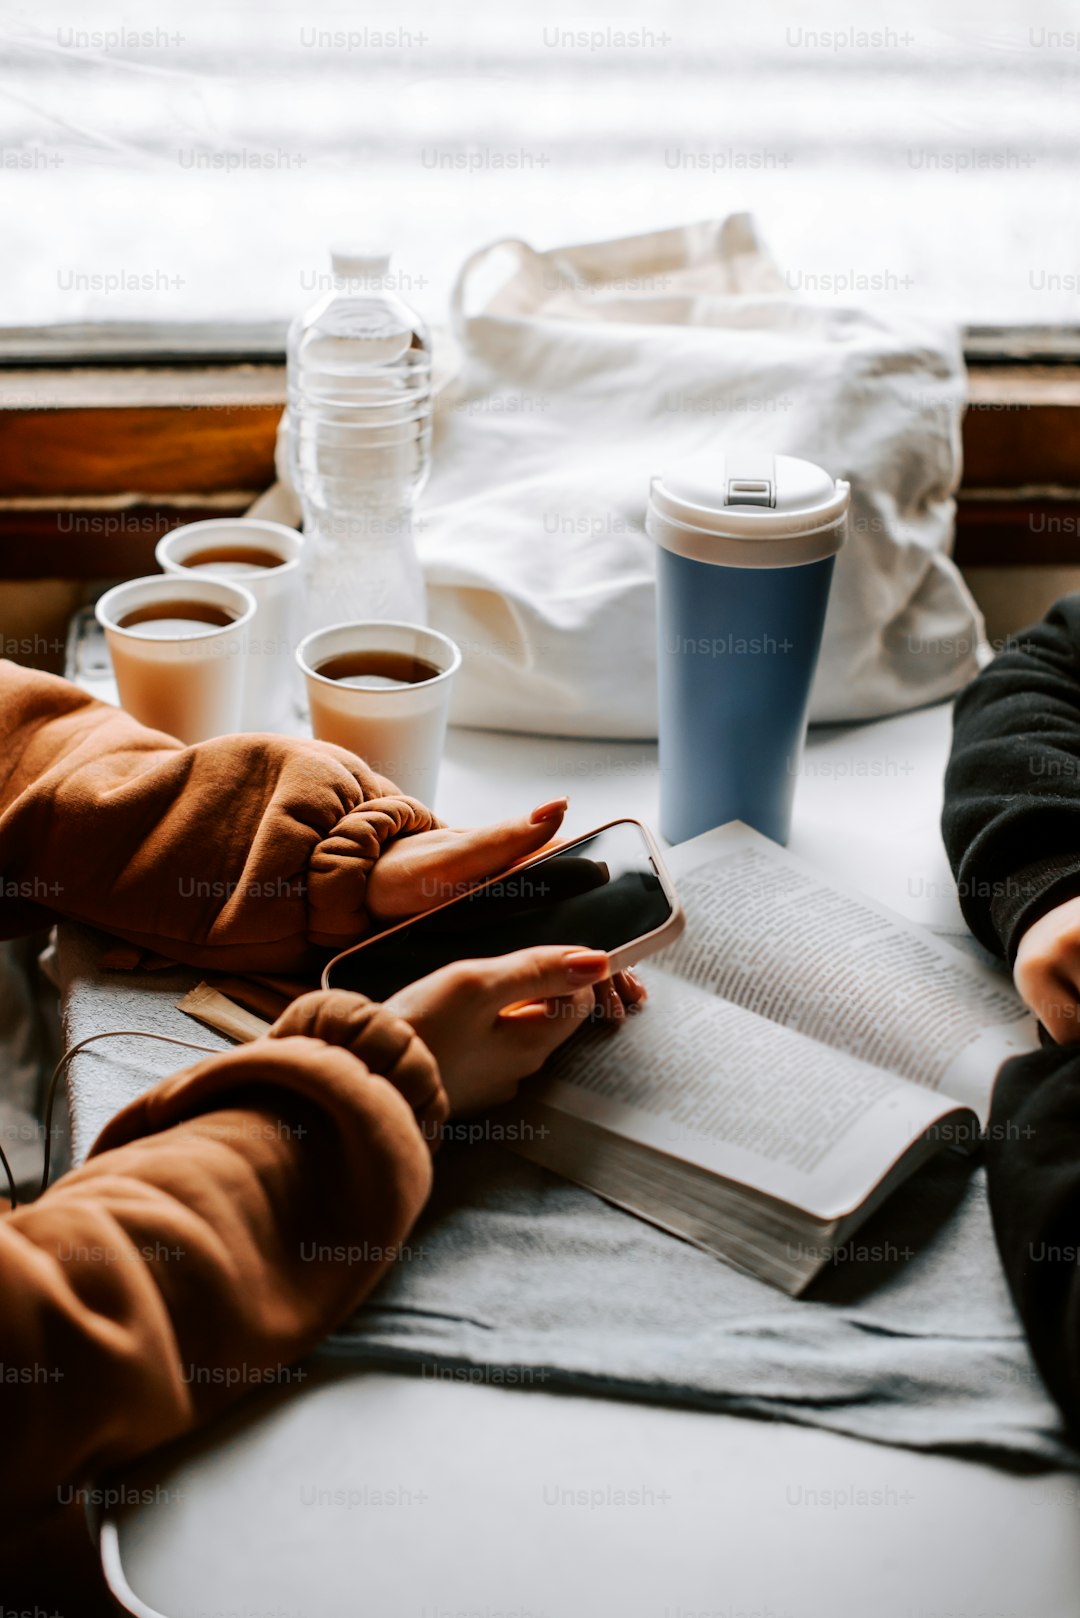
[(460, 1498)]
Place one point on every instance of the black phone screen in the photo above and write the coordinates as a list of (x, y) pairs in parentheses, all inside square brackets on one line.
[(601, 891)]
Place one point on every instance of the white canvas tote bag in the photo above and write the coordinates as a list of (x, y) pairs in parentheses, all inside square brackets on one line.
[(589, 369)]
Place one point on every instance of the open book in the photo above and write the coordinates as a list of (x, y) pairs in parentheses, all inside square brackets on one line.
[(802, 1052)]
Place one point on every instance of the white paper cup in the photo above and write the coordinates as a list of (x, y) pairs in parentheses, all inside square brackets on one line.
[(398, 730), (273, 636), (188, 683)]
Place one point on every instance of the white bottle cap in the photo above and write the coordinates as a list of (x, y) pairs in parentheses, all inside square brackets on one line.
[(358, 260)]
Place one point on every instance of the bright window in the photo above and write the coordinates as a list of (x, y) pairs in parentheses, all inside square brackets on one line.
[(191, 163)]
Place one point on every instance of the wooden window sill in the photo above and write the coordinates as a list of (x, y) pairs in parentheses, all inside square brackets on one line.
[(97, 463)]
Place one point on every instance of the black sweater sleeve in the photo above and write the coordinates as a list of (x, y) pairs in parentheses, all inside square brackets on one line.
[(1033, 1167), (1012, 830), (1012, 791)]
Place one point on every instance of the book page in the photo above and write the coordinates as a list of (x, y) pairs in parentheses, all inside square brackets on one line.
[(772, 935), (706, 1081)]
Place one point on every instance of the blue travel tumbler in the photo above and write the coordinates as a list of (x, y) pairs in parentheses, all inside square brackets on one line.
[(746, 544)]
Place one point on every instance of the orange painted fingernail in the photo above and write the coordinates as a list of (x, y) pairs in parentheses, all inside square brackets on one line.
[(587, 964), (548, 811)]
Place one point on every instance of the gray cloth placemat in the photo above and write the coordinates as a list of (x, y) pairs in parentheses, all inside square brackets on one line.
[(112, 1072), (909, 1337), (514, 1276)]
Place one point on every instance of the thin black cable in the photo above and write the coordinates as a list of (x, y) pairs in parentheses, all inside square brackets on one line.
[(113, 1033), (13, 1199)]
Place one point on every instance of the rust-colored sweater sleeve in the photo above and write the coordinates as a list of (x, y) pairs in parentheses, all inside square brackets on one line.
[(248, 853), (225, 1221)]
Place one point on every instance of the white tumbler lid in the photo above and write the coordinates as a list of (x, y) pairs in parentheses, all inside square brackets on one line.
[(748, 509), (358, 260)]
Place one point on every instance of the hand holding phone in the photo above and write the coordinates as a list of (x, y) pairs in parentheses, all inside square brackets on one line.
[(606, 891), (491, 1023), (416, 873)]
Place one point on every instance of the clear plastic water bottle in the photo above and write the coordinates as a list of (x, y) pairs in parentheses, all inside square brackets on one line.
[(359, 392)]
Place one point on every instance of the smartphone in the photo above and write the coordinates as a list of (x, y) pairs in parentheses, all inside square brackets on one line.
[(607, 891)]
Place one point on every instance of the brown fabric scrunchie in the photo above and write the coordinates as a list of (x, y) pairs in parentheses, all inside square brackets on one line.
[(388, 1045)]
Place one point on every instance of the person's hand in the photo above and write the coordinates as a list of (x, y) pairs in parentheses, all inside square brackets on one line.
[(1047, 971), (426, 869), (491, 1023)]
